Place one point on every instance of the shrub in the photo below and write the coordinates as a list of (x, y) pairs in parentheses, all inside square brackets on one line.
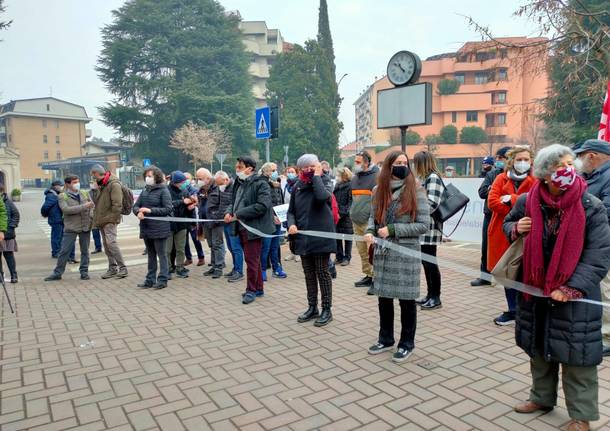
[(448, 86), (473, 135), (449, 134)]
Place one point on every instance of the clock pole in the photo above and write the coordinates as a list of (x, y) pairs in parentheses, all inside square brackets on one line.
[(403, 138)]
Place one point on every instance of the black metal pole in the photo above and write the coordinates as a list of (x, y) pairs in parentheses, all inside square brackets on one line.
[(8, 298), (403, 138)]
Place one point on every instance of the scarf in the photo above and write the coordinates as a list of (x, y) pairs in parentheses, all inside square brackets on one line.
[(104, 180), (290, 184), (569, 242), (517, 177)]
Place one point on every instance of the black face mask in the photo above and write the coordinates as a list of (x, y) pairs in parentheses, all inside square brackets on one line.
[(401, 172)]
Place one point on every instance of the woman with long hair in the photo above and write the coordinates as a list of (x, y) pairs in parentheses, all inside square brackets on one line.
[(343, 195), (430, 178), (516, 180), (566, 253), (400, 214), (154, 201)]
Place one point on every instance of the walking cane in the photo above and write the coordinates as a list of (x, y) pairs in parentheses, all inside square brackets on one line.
[(8, 298)]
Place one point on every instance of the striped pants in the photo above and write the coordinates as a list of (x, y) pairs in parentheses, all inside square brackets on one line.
[(316, 271)]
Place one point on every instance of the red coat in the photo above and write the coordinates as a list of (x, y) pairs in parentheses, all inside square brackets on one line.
[(497, 243)]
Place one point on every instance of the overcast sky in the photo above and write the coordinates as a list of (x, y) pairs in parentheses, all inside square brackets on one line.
[(53, 44)]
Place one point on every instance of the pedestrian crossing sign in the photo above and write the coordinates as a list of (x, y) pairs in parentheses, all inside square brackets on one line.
[(262, 123)]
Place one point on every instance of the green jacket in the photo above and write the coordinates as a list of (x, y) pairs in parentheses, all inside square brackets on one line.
[(3, 217), (77, 218), (108, 203)]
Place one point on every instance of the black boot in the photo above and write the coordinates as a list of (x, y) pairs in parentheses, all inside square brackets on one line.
[(324, 318), (311, 313), (432, 304), (422, 300), (366, 281)]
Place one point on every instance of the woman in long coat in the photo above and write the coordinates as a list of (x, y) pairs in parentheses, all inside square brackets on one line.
[(507, 187), (400, 214), (310, 208), (154, 201), (566, 254)]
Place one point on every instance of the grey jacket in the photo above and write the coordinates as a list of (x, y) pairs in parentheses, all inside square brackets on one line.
[(363, 184), (77, 218), (599, 184)]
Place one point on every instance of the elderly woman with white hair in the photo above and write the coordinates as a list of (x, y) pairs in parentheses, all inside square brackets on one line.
[(310, 208), (271, 246), (566, 254)]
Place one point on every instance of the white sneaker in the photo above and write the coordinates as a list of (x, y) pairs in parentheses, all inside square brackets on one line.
[(297, 258), (289, 257)]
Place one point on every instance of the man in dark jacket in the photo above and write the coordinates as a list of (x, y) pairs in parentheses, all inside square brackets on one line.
[(251, 204), (595, 157), (226, 186), (363, 182), (490, 177), (50, 209), (181, 200)]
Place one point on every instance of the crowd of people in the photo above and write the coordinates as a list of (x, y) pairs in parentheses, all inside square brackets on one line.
[(556, 202)]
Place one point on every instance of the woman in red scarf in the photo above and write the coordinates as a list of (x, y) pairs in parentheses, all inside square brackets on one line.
[(507, 187), (566, 255)]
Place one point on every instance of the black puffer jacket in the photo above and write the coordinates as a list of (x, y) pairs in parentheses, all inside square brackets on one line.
[(180, 208), (12, 216), (252, 205), (570, 332), (218, 202), (277, 197), (311, 209), (159, 201), (343, 194)]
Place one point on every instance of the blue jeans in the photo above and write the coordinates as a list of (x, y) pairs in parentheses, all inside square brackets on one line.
[(511, 299), (57, 233), (271, 248), (237, 252), (187, 248), (97, 239)]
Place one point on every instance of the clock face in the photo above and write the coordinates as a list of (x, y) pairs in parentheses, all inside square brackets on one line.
[(404, 67)]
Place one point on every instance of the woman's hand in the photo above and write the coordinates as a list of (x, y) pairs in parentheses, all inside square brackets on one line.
[(228, 218), (318, 169), (524, 225), (506, 199), (145, 210), (369, 238), (141, 215), (276, 220), (559, 296), (292, 230), (384, 232)]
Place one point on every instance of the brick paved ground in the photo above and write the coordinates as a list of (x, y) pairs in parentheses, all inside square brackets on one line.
[(105, 355)]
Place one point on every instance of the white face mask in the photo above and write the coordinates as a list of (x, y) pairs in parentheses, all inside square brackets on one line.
[(201, 183), (242, 175), (223, 187), (522, 167), (357, 169), (93, 186), (149, 181), (76, 187)]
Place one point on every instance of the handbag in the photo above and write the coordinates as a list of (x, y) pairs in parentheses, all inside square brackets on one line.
[(452, 200), (509, 265)]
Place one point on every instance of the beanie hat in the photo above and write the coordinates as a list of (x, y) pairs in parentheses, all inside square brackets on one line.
[(177, 177)]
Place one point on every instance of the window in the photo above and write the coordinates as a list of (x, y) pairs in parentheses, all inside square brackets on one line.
[(44, 123), (454, 117), (481, 77), (45, 155), (58, 155), (489, 120), (57, 139), (57, 124), (502, 74), (482, 56), (501, 119), (48, 107), (503, 53), (499, 97), (460, 77), (44, 139), (472, 116)]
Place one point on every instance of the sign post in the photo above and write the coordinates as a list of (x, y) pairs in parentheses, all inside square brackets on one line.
[(221, 158), (262, 127)]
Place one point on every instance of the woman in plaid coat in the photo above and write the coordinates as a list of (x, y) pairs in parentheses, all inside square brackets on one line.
[(430, 177), (399, 214)]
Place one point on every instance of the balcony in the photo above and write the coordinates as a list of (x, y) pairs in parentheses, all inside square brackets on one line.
[(497, 130), (461, 102)]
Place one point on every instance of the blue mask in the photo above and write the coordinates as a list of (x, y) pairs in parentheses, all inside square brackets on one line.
[(184, 185), (292, 176), (274, 175), (500, 164)]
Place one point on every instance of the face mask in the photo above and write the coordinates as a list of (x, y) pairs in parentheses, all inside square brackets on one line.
[(487, 168), (292, 176), (93, 186), (357, 169), (193, 183), (274, 175), (326, 172), (149, 181), (400, 172), (184, 185), (563, 178), (201, 183), (579, 165), (500, 164), (307, 176), (522, 167), (76, 187), (242, 176), (223, 187)]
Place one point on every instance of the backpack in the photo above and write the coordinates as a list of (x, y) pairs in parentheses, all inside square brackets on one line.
[(127, 200), (44, 211)]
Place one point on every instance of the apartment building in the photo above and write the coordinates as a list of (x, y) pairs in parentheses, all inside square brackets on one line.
[(41, 130), (495, 91)]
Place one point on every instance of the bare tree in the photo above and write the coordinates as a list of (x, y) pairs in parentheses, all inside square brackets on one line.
[(4, 24), (201, 143)]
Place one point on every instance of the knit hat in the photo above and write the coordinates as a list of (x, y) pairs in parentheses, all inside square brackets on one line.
[(56, 183), (488, 160), (177, 177)]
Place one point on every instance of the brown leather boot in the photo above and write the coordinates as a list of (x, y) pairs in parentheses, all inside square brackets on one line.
[(578, 426), (531, 407)]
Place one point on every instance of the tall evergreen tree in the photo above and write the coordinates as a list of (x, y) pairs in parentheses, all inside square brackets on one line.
[(173, 61)]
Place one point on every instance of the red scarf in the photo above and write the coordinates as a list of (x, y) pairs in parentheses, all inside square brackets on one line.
[(106, 178), (569, 242)]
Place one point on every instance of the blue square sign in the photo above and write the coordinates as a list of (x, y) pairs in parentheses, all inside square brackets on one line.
[(262, 123)]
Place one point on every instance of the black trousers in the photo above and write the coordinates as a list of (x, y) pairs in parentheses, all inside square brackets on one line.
[(408, 321), (486, 221), (9, 256), (344, 253), (315, 267), (433, 274)]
